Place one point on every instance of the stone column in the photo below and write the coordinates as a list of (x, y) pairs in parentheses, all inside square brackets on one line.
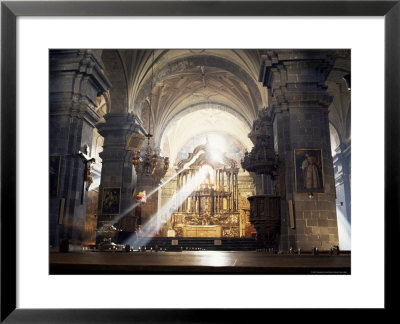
[(299, 104), (117, 171), (76, 79)]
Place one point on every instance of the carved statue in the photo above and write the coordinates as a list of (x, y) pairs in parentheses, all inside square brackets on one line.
[(88, 172)]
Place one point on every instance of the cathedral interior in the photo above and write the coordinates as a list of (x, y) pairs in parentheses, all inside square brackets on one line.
[(177, 153)]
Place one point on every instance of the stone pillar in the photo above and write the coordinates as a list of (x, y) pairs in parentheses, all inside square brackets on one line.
[(76, 79), (299, 106), (118, 173)]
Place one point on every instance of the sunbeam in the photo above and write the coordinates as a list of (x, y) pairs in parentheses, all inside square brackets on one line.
[(169, 208), (133, 206)]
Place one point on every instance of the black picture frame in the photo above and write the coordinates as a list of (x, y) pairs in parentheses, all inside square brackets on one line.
[(10, 10)]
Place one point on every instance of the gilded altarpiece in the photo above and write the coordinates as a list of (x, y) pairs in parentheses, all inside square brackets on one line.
[(212, 209)]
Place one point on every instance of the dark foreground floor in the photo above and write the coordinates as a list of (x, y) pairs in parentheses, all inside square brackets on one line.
[(196, 262)]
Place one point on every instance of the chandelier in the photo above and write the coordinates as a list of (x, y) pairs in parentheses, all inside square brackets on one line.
[(151, 164)]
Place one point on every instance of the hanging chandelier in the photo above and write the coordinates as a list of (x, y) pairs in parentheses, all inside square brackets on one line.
[(151, 164)]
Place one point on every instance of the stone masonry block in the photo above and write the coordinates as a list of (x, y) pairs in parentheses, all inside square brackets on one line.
[(311, 222), (333, 230), (324, 231), (322, 222)]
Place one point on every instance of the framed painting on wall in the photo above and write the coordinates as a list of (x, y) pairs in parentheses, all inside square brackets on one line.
[(308, 170), (111, 201)]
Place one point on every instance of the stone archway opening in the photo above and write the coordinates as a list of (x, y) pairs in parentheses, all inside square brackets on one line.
[(205, 136)]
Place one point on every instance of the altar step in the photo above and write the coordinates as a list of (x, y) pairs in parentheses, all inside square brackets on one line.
[(209, 244)]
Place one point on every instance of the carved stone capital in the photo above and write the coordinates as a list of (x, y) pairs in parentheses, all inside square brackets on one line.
[(120, 123), (296, 78), (81, 64), (76, 80), (117, 131)]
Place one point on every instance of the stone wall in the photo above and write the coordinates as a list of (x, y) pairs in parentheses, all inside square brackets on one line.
[(299, 104), (92, 198), (76, 80)]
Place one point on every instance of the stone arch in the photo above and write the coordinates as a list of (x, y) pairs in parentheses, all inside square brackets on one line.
[(115, 70), (196, 107)]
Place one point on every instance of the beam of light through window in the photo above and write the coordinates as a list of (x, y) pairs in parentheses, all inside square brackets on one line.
[(136, 204), (166, 211)]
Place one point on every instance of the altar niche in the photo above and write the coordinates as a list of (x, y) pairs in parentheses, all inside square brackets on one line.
[(211, 210)]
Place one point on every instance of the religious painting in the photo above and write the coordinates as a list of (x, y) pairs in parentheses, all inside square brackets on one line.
[(308, 170), (54, 174), (111, 201)]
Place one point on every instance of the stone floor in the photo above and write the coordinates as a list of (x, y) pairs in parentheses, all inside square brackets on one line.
[(196, 262)]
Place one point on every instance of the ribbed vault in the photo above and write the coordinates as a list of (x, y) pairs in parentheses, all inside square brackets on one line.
[(181, 81)]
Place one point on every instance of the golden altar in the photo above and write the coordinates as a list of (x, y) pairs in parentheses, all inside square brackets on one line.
[(212, 208), (202, 231)]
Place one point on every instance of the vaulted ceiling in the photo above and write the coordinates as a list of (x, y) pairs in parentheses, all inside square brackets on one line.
[(163, 86), (177, 82)]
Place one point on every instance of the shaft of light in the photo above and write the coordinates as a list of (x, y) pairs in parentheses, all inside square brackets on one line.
[(164, 183), (168, 209), (132, 207)]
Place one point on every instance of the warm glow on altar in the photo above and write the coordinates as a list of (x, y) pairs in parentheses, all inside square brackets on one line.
[(208, 173)]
